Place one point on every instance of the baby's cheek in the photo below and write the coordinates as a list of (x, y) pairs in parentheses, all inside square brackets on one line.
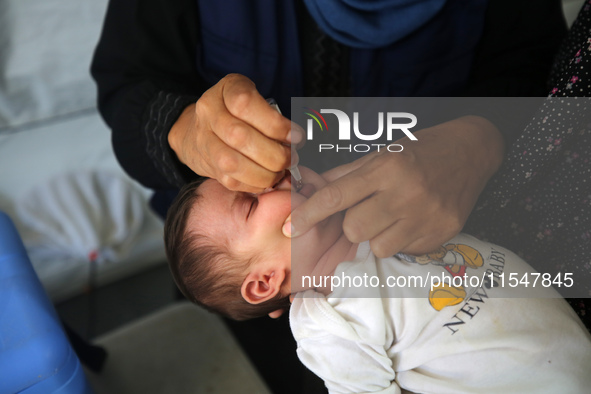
[(306, 244)]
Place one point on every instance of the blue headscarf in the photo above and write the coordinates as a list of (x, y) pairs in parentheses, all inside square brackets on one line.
[(371, 23)]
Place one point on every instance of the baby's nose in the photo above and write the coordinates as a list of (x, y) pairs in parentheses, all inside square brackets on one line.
[(284, 183)]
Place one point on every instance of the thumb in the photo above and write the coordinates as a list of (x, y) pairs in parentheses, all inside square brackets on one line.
[(286, 229)]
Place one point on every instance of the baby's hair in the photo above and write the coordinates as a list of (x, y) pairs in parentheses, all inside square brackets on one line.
[(205, 270)]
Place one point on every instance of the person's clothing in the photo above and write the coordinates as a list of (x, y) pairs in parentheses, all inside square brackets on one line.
[(452, 339), (155, 57), (147, 70), (368, 24), (541, 198)]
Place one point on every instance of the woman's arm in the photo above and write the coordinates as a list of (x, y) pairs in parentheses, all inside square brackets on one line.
[(144, 67), (169, 125)]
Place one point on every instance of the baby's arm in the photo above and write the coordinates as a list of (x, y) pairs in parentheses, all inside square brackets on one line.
[(347, 366), (349, 354)]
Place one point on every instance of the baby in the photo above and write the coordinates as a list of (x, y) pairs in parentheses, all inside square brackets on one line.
[(227, 252)]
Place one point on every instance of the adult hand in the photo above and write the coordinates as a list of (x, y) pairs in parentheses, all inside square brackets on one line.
[(233, 135), (412, 201)]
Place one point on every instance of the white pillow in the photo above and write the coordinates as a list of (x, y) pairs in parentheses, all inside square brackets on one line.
[(84, 216)]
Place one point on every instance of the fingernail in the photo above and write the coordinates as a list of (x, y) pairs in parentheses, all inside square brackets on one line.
[(294, 138), (296, 133), (287, 227)]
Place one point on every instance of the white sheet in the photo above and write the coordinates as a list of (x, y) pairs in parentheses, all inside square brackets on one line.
[(45, 52), (32, 158)]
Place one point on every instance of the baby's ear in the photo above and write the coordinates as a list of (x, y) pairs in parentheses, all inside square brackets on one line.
[(262, 286)]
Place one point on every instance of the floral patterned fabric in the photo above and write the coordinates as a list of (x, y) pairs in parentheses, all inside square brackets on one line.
[(539, 204)]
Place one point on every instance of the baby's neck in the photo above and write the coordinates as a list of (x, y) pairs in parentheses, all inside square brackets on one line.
[(342, 250)]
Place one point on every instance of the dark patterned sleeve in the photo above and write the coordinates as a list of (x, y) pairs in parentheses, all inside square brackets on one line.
[(144, 67)]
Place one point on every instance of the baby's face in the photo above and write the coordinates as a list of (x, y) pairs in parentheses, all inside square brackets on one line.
[(248, 223), (252, 224)]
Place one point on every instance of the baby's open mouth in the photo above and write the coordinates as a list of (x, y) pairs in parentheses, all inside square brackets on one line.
[(286, 184), (307, 190)]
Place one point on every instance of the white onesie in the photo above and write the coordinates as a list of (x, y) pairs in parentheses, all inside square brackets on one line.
[(449, 339)]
